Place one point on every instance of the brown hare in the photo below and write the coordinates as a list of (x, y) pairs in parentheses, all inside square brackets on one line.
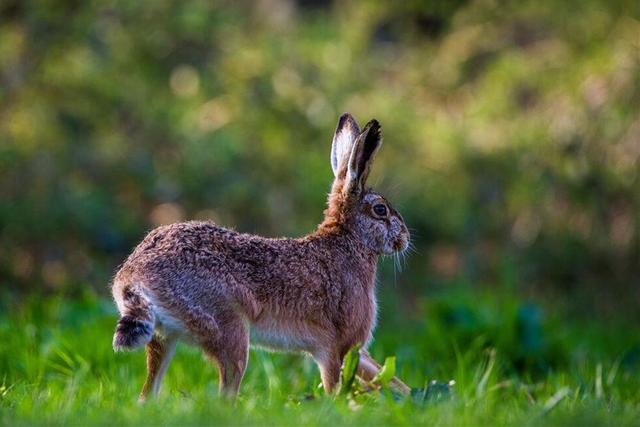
[(220, 289)]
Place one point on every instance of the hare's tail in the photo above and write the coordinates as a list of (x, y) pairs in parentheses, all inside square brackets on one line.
[(137, 321)]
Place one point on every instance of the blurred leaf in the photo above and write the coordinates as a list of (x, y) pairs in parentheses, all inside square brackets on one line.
[(386, 373), (348, 372)]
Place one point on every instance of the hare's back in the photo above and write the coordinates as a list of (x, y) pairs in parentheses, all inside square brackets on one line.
[(186, 236), (181, 247)]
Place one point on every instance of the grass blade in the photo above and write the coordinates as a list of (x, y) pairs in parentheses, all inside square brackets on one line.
[(349, 369)]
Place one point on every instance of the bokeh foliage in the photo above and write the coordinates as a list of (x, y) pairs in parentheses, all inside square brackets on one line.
[(512, 148), (512, 131)]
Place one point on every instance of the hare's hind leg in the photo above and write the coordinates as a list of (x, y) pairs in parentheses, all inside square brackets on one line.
[(159, 354), (230, 352)]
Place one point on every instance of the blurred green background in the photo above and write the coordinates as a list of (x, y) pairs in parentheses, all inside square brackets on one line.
[(512, 134), (512, 148)]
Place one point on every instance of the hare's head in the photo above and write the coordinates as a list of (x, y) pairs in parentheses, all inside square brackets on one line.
[(353, 207)]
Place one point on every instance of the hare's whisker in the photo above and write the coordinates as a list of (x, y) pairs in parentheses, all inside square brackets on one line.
[(412, 249)]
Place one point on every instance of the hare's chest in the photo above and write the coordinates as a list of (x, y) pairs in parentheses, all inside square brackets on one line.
[(362, 319)]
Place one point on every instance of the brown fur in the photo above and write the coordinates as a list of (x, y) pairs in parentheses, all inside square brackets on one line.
[(211, 286)]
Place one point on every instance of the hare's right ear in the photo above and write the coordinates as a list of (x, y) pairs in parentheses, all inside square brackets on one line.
[(364, 151), (346, 133)]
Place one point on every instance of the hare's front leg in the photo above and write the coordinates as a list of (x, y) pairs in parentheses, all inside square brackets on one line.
[(329, 364), (159, 354), (368, 368), (230, 351)]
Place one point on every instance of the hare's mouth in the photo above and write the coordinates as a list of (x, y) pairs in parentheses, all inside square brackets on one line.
[(401, 244)]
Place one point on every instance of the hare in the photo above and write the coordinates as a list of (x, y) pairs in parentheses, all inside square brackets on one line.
[(220, 289)]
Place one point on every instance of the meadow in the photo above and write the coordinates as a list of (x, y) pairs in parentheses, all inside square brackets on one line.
[(511, 362)]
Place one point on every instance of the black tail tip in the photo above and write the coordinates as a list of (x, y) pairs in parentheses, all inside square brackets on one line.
[(131, 333)]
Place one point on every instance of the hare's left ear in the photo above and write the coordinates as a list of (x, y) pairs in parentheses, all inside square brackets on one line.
[(346, 133), (364, 151)]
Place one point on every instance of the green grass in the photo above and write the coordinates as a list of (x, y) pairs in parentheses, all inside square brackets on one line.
[(513, 363)]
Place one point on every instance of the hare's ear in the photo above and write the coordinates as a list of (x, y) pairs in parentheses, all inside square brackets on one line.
[(364, 150), (346, 133)]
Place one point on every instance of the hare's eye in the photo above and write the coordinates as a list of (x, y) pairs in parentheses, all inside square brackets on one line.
[(380, 209)]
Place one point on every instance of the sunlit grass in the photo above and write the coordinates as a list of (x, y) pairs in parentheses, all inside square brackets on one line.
[(57, 367)]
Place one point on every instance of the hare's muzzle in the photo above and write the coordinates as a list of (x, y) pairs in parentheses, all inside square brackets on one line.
[(401, 244)]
